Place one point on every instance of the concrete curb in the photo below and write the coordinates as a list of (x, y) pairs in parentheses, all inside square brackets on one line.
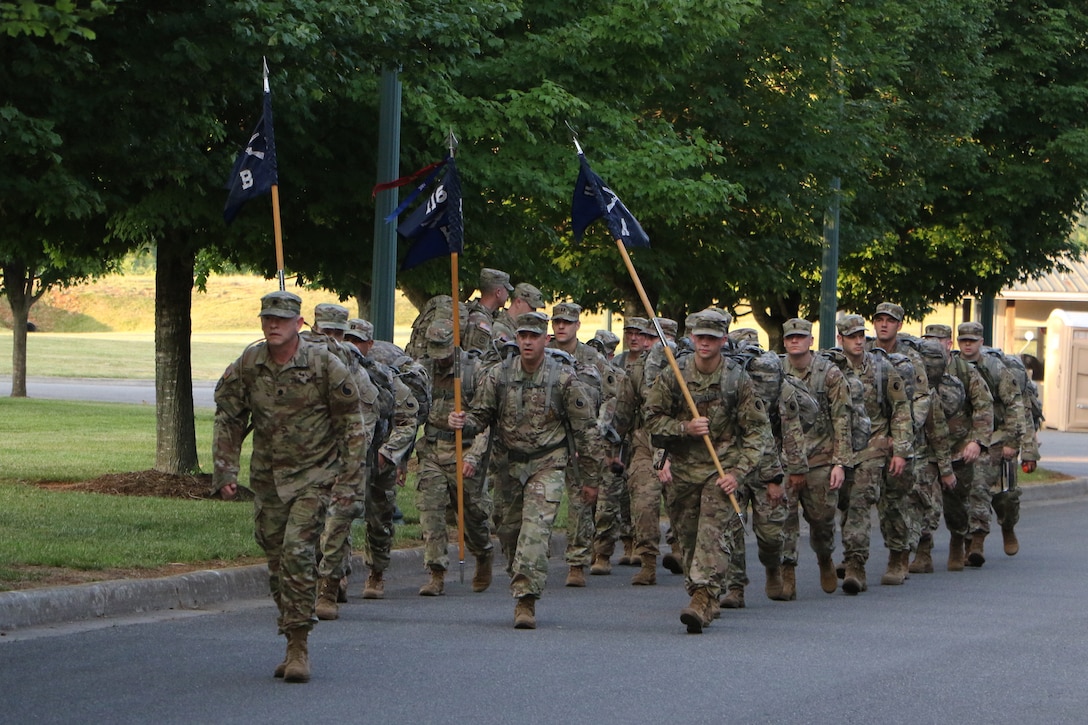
[(203, 589)]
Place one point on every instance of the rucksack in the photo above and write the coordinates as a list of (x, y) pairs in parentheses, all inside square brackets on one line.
[(439, 307), (765, 370), (1029, 391), (861, 426)]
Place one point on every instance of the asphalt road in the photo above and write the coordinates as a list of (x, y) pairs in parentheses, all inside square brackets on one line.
[(1003, 644), (104, 390)]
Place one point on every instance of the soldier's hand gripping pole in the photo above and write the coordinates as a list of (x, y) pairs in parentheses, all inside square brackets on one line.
[(675, 367)]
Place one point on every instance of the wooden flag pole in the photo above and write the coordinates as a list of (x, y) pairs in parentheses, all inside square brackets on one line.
[(458, 434), (278, 233), (675, 367)]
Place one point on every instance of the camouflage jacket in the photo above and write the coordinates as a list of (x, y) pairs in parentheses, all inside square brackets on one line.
[(530, 414), (1008, 405), (969, 410), (814, 407), (477, 332), (739, 427), (888, 408), (437, 428), (308, 427)]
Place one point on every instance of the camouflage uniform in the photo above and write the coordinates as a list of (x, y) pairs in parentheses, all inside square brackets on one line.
[(347, 503), (308, 436), (1012, 429), (438, 465), (478, 329), (593, 370), (891, 434), (814, 408), (701, 512), (529, 415), (768, 516), (644, 485)]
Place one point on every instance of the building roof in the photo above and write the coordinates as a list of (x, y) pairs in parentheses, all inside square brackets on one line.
[(1069, 285)]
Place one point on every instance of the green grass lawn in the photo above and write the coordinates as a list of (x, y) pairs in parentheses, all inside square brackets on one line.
[(60, 441)]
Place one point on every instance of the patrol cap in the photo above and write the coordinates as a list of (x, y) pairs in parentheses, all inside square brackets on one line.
[(529, 293), (969, 331), (535, 322), (849, 324), (941, 332), (720, 313), (669, 327), (796, 326), (280, 304), (567, 311), (890, 309), (492, 278), (607, 339), (360, 329), (744, 334), (709, 324), (635, 323), (439, 337), (329, 316)]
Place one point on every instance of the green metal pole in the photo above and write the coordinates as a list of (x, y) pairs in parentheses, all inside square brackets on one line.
[(829, 300), (986, 317), (384, 267)]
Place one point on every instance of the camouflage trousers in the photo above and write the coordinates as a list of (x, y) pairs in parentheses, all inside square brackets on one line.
[(894, 507), (819, 503), (1004, 499), (533, 492), (612, 516), (959, 515), (381, 503), (645, 492), (706, 528), (859, 493), (345, 506), (580, 521), (768, 522), (437, 504), (497, 472), (288, 533), (926, 503)]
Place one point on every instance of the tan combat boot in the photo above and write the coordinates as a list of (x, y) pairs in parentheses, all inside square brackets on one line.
[(481, 578), (576, 576), (601, 565), (1008, 537), (773, 587), (829, 581), (281, 667), (647, 575), (525, 612), (854, 580), (697, 614), (976, 557), (436, 586), (733, 599), (897, 568), (955, 553), (375, 586), (674, 560), (297, 665), (342, 591), (789, 582), (327, 590), (628, 558), (923, 557)]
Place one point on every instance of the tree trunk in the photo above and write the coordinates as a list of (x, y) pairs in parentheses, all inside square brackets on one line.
[(19, 285), (175, 425)]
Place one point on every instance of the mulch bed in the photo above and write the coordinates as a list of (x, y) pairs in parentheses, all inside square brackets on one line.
[(148, 483)]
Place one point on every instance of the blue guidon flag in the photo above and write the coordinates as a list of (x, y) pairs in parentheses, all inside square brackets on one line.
[(593, 200), (254, 173), (435, 227)]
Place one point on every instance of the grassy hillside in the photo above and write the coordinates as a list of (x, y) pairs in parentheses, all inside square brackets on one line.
[(105, 328)]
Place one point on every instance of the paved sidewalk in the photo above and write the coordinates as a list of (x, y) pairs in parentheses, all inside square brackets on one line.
[(1063, 452)]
